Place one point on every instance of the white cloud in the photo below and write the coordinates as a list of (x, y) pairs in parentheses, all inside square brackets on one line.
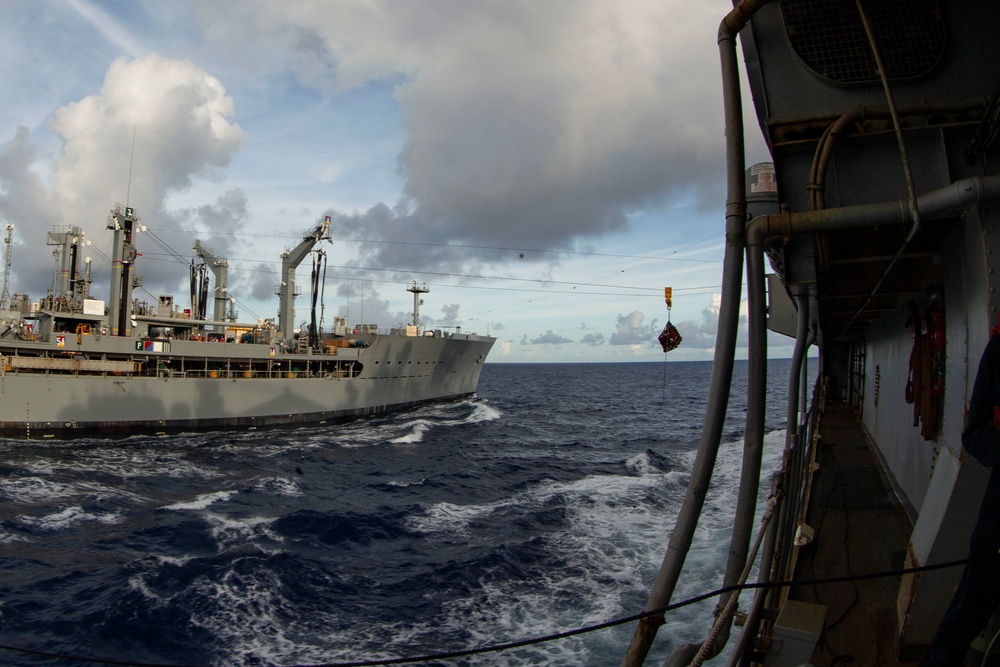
[(632, 331), (544, 123), (181, 119)]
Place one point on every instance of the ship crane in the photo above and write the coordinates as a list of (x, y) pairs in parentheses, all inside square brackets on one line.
[(220, 269), (5, 299), (290, 260)]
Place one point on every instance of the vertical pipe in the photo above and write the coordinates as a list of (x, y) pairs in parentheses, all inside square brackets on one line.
[(753, 450), (722, 368), (793, 452), (753, 437)]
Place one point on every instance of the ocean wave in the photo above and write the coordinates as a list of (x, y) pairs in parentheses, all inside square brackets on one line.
[(278, 486), (415, 434), (239, 531), (10, 538), (32, 489), (648, 462), (405, 485), (542, 507), (202, 501), (67, 518)]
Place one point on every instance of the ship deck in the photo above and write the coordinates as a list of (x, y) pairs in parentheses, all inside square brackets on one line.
[(860, 528)]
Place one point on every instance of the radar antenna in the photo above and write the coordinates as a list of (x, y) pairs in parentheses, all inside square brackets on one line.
[(5, 299)]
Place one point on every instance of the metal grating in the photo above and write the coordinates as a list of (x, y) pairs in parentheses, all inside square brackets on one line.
[(830, 38)]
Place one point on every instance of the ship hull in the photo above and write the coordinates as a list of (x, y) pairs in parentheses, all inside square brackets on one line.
[(397, 373)]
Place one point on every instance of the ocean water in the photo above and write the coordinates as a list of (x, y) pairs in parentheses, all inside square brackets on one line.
[(542, 505)]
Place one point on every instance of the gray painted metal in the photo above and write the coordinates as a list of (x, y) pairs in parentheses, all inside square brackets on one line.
[(397, 372)]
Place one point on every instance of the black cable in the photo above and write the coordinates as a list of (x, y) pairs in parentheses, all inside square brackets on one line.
[(547, 638), (838, 483)]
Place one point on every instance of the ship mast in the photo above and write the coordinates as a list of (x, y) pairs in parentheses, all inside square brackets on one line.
[(417, 290), (5, 299), (122, 219)]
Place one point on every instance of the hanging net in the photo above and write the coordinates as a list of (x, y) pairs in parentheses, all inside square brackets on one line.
[(669, 338)]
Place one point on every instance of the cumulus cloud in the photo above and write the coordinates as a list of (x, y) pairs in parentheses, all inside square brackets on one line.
[(701, 334), (179, 116), (550, 338), (593, 339), (450, 311), (181, 120), (631, 330)]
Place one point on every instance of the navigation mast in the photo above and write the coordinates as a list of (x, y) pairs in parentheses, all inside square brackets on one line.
[(417, 290), (122, 220)]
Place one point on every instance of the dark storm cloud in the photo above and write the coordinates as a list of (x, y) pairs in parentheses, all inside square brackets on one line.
[(527, 124)]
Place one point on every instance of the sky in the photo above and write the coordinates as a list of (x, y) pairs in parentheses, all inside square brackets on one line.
[(545, 168)]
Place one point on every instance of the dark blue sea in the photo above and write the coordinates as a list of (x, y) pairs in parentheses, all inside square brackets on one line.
[(542, 505)]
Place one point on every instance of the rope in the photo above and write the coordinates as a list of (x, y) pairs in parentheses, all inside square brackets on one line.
[(547, 638), (727, 613), (664, 387)]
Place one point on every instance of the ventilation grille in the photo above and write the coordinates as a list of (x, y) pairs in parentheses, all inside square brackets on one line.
[(830, 38)]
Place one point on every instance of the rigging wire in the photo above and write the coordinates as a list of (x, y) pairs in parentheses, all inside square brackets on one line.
[(582, 253), (637, 290), (444, 274), (168, 254), (667, 296)]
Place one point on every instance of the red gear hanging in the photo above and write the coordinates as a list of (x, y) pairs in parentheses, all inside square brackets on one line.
[(669, 338)]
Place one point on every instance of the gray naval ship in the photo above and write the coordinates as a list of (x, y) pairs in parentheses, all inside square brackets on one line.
[(73, 365)]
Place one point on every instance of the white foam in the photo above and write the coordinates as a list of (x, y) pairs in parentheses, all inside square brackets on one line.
[(125, 462), (279, 486), (9, 538), (484, 412), (244, 617), (615, 537), (69, 516), (419, 482), (228, 530), (33, 489), (412, 428), (415, 435), (203, 501)]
